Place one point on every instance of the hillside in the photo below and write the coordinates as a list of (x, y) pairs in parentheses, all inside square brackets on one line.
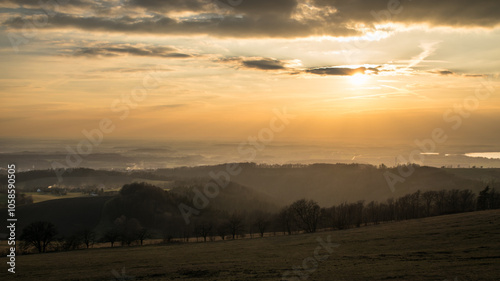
[(153, 207), (328, 184), (68, 215), (331, 184), (461, 247)]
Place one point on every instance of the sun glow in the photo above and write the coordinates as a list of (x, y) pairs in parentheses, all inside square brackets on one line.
[(358, 79)]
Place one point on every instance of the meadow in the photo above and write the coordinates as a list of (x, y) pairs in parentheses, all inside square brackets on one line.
[(41, 197), (452, 247)]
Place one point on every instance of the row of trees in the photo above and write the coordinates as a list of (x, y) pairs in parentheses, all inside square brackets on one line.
[(306, 215), (42, 235), (301, 216)]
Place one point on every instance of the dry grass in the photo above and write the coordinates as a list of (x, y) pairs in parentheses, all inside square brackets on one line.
[(463, 246), (40, 197)]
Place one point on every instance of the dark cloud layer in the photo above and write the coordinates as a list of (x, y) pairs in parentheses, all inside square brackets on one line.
[(291, 68), (444, 12), (262, 18), (340, 71), (111, 50), (446, 72), (264, 64)]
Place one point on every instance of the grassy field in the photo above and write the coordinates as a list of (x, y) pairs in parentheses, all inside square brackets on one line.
[(454, 247), (40, 197), (159, 183)]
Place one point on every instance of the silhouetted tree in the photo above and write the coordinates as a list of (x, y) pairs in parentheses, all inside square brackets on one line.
[(39, 234), (142, 234), (235, 224), (262, 222), (72, 242), (88, 237), (428, 198), (285, 218), (452, 201), (467, 200), (129, 229), (111, 236), (307, 214), (204, 229), (483, 201), (222, 230)]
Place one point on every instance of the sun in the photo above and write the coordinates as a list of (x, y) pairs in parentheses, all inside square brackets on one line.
[(358, 79)]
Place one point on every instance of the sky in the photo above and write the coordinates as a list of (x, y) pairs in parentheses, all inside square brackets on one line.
[(353, 71)]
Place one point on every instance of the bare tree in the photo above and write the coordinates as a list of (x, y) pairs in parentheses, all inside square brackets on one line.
[(142, 234), (467, 200), (286, 219), (204, 229), (428, 197), (262, 222), (307, 214), (235, 224), (222, 230), (111, 236), (39, 234), (88, 237)]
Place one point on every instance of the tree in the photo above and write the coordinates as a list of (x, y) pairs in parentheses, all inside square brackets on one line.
[(261, 222), (307, 214), (128, 228), (222, 230), (72, 242), (372, 212), (88, 237), (286, 219), (111, 236), (483, 201), (467, 200), (341, 216), (39, 234), (429, 197), (204, 229), (235, 224), (142, 234)]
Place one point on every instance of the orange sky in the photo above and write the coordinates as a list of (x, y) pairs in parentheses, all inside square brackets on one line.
[(198, 70)]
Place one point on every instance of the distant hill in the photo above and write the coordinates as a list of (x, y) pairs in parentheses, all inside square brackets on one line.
[(331, 184), (328, 184)]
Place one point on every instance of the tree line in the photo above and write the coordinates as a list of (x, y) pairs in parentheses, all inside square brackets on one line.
[(302, 216)]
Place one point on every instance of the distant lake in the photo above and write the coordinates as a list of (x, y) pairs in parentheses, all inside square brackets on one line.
[(489, 155)]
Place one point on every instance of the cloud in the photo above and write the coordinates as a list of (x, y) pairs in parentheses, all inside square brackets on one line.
[(446, 72), (169, 106), (463, 13), (112, 50), (264, 64), (261, 63), (229, 26), (294, 67), (342, 71), (170, 5), (442, 72), (257, 18)]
